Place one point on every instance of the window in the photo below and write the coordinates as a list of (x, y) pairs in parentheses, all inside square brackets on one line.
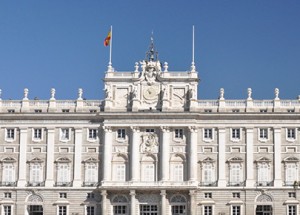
[(65, 110), (90, 210), (120, 205), (90, 195), (91, 173), (292, 195), (235, 110), (235, 133), (208, 210), (10, 111), (148, 170), (207, 110), (263, 174), (263, 110), (178, 133), (63, 195), (208, 195), (10, 134), (64, 134), (291, 133), (63, 173), (36, 173), (62, 210), (7, 195), (235, 174), (37, 134), (7, 209), (8, 175), (92, 134), (208, 175), (121, 133), (120, 209), (236, 195), (290, 110), (263, 133), (208, 134), (291, 173), (149, 210), (236, 210), (178, 172), (38, 111), (93, 111), (150, 130), (120, 172), (292, 210)]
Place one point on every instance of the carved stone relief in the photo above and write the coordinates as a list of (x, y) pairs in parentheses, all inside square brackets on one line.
[(149, 143)]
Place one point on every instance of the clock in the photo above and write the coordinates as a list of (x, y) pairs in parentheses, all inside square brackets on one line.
[(150, 93)]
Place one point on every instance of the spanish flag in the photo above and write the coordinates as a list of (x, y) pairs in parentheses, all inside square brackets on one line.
[(107, 39)]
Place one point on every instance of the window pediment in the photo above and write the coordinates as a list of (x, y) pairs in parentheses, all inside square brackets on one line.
[(208, 160), (63, 160), (235, 160), (263, 160), (8, 160), (291, 160), (36, 160), (90, 160)]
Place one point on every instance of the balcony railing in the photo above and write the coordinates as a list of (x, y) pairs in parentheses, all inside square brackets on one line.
[(90, 184), (8, 183), (264, 183), (35, 184), (63, 184), (208, 184), (236, 184)]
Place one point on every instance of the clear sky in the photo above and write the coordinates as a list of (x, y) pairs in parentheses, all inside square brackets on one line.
[(238, 44)]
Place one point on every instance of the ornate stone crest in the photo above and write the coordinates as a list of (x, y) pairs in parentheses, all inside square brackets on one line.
[(149, 143)]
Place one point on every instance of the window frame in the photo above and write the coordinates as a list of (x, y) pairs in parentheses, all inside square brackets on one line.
[(11, 212), (37, 136), (92, 134), (291, 134), (208, 138), (10, 139), (121, 134), (266, 132), (235, 212), (178, 133), (209, 212), (235, 134), (62, 212)]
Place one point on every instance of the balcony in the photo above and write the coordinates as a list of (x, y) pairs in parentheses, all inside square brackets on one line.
[(35, 184), (264, 183), (63, 184), (8, 183), (208, 184), (90, 184), (236, 184)]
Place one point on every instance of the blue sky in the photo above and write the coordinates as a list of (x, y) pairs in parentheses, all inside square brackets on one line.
[(238, 44)]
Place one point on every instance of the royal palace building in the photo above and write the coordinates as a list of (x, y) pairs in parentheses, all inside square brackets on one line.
[(150, 147)]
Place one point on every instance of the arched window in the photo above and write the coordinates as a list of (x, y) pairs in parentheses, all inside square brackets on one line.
[(178, 205), (120, 205)]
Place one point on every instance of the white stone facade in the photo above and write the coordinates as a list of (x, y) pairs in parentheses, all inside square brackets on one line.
[(150, 147)]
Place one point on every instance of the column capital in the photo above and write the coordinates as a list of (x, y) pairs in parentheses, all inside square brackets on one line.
[(135, 128), (163, 192), (107, 128), (165, 129), (103, 193), (192, 192), (132, 193), (277, 129), (193, 129)]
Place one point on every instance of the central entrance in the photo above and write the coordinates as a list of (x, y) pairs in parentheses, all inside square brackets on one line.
[(264, 210), (35, 210)]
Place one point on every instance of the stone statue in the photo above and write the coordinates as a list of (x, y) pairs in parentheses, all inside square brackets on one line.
[(134, 92), (107, 92), (52, 91), (136, 66), (276, 92), (80, 92), (26, 93), (192, 93), (221, 93), (249, 93), (166, 67)]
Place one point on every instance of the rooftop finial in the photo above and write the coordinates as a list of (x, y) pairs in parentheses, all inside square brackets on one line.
[(151, 55)]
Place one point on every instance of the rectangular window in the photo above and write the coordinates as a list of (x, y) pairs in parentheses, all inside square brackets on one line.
[(37, 133), (290, 110), (178, 133), (120, 209), (120, 172), (291, 173), (263, 133), (65, 110), (291, 133), (235, 174), (36, 173), (38, 111), (207, 110), (92, 134), (236, 195), (62, 210), (7, 209), (208, 210), (263, 174), (235, 133), (93, 111), (235, 110), (64, 134), (121, 133), (10, 111), (236, 210), (90, 195), (292, 210), (292, 195), (150, 130), (208, 195), (208, 133), (90, 210), (91, 173), (208, 174), (149, 210), (8, 173), (7, 195), (178, 172), (10, 134), (63, 195), (148, 172), (63, 173), (263, 110)]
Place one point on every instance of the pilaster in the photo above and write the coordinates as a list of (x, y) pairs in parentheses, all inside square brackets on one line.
[(77, 158), (165, 153), (107, 153), (193, 204), (135, 154), (249, 158), (163, 195), (50, 158), (277, 157), (104, 201), (132, 202), (22, 157), (193, 153), (221, 158)]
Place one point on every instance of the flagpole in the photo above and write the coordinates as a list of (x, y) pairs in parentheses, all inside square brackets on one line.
[(193, 67), (110, 47)]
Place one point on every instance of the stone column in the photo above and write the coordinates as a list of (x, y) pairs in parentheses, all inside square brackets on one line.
[(22, 157), (50, 158), (193, 154), (277, 157), (135, 154), (107, 153), (221, 157), (132, 202), (249, 158), (77, 158), (165, 154), (104, 202), (193, 204), (163, 200)]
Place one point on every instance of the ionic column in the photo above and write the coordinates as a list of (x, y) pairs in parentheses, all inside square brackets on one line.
[(50, 158), (103, 204), (77, 158), (165, 154), (163, 200), (249, 158), (193, 151), (221, 158), (132, 202), (277, 157), (107, 153), (22, 157), (135, 154), (193, 204)]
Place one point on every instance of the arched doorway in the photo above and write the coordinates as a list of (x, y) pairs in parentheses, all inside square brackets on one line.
[(34, 205), (264, 205), (35, 210), (178, 205)]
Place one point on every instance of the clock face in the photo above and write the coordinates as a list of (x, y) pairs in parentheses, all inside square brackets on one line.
[(150, 93)]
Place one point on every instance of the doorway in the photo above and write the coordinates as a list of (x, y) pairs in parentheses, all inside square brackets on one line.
[(35, 210), (264, 210)]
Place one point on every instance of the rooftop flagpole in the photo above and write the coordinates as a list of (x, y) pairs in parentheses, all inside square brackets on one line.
[(110, 47), (193, 68)]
